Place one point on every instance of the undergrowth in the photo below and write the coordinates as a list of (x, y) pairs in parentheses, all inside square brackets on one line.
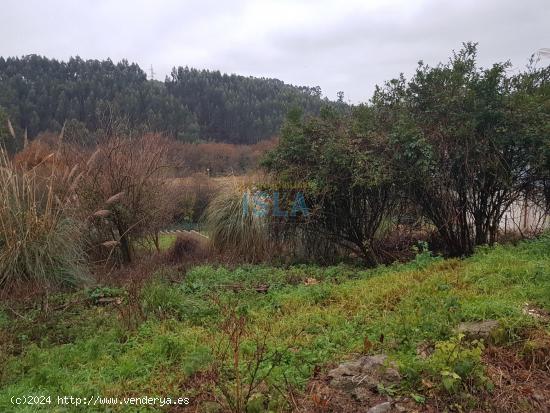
[(307, 317)]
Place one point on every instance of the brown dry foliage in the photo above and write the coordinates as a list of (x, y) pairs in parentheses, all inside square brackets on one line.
[(126, 177), (521, 374), (191, 196), (217, 158), (187, 249)]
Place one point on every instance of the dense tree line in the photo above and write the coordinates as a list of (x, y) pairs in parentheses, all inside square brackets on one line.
[(42, 94), (239, 109), (456, 145), (95, 97)]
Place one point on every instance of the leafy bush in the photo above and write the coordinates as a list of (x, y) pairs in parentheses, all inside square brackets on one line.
[(344, 174), (468, 142), (456, 365)]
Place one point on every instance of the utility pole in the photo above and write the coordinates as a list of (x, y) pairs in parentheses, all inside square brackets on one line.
[(152, 73)]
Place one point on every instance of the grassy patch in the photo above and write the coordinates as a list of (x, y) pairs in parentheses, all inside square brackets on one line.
[(165, 242), (309, 316)]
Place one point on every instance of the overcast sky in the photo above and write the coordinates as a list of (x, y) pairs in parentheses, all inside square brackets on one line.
[(348, 45)]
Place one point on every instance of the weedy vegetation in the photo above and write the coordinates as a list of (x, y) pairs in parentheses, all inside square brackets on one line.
[(400, 252), (217, 337)]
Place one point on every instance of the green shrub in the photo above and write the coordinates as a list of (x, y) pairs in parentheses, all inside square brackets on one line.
[(456, 365)]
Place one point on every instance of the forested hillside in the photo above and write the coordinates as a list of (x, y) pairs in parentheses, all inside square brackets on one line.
[(239, 109), (91, 96)]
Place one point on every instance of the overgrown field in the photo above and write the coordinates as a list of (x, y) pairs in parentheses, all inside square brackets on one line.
[(209, 333)]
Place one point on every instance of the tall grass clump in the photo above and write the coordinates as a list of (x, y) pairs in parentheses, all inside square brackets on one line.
[(234, 226), (39, 242)]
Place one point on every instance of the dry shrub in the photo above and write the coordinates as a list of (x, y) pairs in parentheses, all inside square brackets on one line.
[(243, 362), (191, 196), (187, 248), (35, 155), (218, 158), (123, 195), (40, 240), (235, 228)]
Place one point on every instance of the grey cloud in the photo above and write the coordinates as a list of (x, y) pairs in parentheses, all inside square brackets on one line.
[(339, 45)]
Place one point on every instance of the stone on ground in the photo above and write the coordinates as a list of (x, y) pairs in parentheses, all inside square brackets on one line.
[(361, 378), (479, 329)]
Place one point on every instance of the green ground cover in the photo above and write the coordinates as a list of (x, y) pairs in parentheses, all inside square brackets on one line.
[(301, 317)]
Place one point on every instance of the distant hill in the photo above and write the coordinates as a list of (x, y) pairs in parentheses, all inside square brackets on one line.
[(93, 96)]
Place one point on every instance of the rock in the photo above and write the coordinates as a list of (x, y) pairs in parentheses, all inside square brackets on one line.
[(479, 329), (366, 371), (380, 408)]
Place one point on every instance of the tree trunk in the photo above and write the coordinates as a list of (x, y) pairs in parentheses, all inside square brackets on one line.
[(156, 241)]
